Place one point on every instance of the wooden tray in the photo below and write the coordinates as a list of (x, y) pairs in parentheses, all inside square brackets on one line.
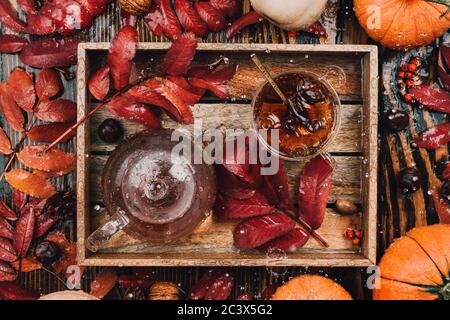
[(351, 69)]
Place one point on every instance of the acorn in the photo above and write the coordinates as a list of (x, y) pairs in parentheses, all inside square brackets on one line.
[(136, 7), (164, 291), (346, 207)]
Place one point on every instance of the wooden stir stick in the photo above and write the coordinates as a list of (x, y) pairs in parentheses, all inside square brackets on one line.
[(294, 216)]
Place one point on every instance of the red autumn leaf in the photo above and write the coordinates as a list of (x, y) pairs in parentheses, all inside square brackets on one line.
[(230, 208), (9, 18), (7, 251), (445, 77), (11, 43), (27, 264), (229, 8), (54, 160), (94, 7), (40, 24), (432, 98), (100, 82), (216, 81), (171, 26), (231, 186), (60, 110), (44, 222), (5, 143), (180, 55), (48, 84), (6, 211), (24, 232), (444, 66), (29, 183), (21, 85), (121, 54), (7, 273), (130, 109), (104, 282), (246, 20), (442, 207), (257, 231), (36, 204), (68, 16), (213, 18), (315, 186), (50, 52), (29, 6), (221, 288), (19, 198), (317, 29), (134, 281), (189, 18), (181, 87), (6, 230), (176, 96), (290, 242), (434, 137), (68, 250), (14, 292), (276, 187), (50, 132), (11, 111), (155, 21), (201, 288)]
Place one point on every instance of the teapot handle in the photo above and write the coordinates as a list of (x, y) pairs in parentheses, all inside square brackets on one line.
[(104, 233)]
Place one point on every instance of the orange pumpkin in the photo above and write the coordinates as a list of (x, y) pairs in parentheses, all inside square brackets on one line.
[(403, 24), (416, 266), (311, 287)]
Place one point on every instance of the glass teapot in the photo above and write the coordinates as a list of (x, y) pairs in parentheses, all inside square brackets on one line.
[(153, 193)]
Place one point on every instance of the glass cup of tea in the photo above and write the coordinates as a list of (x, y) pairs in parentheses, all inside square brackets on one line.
[(306, 123), (153, 193)]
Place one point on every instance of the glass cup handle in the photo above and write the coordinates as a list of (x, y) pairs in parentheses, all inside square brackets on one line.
[(104, 233)]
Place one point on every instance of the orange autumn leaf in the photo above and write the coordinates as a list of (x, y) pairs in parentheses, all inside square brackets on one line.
[(104, 282), (5, 143), (30, 183), (54, 160), (21, 85), (12, 113), (52, 174), (50, 132), (68, 250), (28, 264)]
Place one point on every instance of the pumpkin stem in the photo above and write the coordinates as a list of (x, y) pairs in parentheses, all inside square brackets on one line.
[(443, 2), (445, 292)]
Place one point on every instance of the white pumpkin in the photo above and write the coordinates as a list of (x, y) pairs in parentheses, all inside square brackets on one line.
[(68, 295), (290, 15)]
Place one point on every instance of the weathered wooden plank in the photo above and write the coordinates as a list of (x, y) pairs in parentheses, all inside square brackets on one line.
[(234, 116)]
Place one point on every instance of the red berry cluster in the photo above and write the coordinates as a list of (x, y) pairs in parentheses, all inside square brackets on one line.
[(408, 77), (354, 233)]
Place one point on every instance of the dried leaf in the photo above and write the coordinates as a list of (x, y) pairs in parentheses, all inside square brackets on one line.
[(5, 143), (155, 21), (121, 54), (21, 85), (36, 204), (12, 113), (434, 137), (29, 183), (130, 109), (19, 198), (6, 230), (44, 223), (244, 21), (11, 43), (6, 211), (180, 55), (229, 8), (48, 84), (213, 18), (27, 264), (54, 160), (288, 243), (99, 83), (238, 163), (50, 52), (7, 273), (50, 132), (69, 252), (7, 251), (104, 282), (232, 186), (230, 208), (9, 18), (24, 232), (172, 93), (315, 186), (59, 110), (257, 231), (276, 187), (171, 27), (14, 292), (189, 18), (432, 98)]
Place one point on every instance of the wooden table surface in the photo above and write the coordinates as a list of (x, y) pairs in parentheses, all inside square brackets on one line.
[(397, 214)]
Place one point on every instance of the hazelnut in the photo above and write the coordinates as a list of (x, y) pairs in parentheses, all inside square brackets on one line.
[(164, 291), (136, 7), (346, 207)]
